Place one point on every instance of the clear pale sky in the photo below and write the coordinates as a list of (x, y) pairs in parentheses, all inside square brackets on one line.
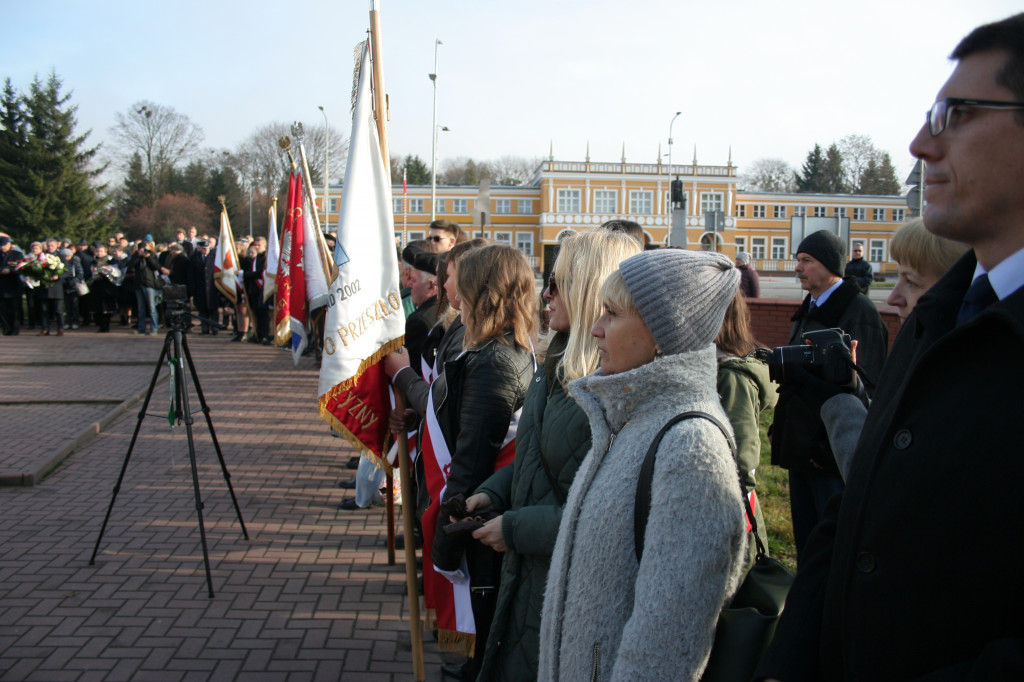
[(768, 79)]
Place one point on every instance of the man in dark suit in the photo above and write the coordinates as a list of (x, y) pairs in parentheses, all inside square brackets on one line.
[(200, 285), (915, 571)]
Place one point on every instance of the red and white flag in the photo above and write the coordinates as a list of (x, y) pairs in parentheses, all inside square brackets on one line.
[(225, 261), (290, 303), (365, 319)]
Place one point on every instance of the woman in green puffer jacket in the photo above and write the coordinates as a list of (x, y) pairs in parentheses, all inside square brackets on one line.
[(552, 439), (745, 391)]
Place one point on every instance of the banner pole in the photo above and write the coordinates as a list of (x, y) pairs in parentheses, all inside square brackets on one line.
[(408, 506)]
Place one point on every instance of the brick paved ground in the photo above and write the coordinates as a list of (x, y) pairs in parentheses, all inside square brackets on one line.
[(308, 597)]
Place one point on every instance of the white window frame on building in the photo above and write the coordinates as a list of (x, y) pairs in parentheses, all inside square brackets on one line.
[(481, 234), (760, 210), (502, 205), (503, 237), (438, 206), (415, 235), (878, 214), (568, 201), (460, 206), (741, 244), (711, 201), (641, 202), (525, 206), (899, 215), (524, 242), (779, 212), (757, 247), (741, 211), (799, 211), (860, 213), (779, 248), (840, 212), (819, 212), (876, 251), (332, 205), (606, 201), (396, 205), (416, 205)]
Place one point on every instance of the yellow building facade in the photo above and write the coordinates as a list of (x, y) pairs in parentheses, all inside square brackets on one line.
[(572, 196)]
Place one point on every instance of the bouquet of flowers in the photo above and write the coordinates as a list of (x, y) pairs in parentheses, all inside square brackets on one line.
[(36, 270), (112, 273)]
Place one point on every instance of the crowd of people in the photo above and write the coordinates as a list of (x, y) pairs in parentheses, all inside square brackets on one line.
[(533, 563), (56, 285), (529, 446)]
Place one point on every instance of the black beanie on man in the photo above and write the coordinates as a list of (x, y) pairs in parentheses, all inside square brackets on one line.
[(826, 248)]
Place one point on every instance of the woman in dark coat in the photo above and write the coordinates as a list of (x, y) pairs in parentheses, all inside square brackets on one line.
[(552, 439)]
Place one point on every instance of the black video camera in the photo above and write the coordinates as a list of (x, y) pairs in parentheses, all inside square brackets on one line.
[(177, 312), (827, 356)]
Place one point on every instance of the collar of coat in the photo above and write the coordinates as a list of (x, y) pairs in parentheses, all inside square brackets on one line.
[(649, 390), (937, 309), (830, 311)]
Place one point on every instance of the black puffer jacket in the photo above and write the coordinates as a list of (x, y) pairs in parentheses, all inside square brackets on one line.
[(474, 400)]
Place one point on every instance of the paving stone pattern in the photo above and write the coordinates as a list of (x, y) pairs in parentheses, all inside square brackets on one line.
[(308, 597)]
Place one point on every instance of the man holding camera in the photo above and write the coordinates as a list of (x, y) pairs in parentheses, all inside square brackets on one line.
[(915, 572), (799, 441)]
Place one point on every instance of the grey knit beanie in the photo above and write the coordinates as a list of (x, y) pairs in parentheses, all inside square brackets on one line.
[(681, 295), (826, 248)]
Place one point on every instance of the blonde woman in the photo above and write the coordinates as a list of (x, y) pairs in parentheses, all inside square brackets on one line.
[(608, 615), (553, 438)]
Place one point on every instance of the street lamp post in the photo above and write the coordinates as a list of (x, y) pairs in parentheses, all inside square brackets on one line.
[(327, 151), (433, 165), (671, 214)]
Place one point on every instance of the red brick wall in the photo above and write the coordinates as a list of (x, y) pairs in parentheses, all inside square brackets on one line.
[(771, 320)]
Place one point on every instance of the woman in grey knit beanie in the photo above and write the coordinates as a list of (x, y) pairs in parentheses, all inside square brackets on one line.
[(607, 615)]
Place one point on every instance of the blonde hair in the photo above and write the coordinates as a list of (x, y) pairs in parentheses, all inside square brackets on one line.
[(927, 253), (584, 262), (495, 285), (616, 294)]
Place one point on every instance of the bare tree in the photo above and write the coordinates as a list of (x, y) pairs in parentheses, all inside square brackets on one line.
[(260, 161), (162, 137), (858, 153), (513, 170), (770, 175)]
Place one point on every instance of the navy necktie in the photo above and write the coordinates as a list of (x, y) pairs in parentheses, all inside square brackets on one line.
[(978, 297)]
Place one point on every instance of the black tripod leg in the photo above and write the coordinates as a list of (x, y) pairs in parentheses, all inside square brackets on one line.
[(131, 446), (213, 434), (187, 416)]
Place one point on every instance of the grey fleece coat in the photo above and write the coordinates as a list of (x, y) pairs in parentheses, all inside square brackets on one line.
[(605, 617)]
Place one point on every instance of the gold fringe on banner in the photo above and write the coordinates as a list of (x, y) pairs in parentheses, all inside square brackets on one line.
[(457, 642), (394, 344)]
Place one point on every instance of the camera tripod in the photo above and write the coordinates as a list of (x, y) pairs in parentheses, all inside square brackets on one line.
[(175, 349)]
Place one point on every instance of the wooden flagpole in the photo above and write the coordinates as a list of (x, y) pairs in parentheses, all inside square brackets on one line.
[(415, 622)]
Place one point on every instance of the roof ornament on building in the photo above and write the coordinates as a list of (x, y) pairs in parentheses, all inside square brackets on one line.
[(551, 152), (729, 165), (588, 151), (623, 151), (659, 153), (694, 155)]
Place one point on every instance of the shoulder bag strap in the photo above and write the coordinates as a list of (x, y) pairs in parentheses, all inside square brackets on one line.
[(642, 506)]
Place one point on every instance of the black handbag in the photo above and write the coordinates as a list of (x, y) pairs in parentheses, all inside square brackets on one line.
[(746, 626)]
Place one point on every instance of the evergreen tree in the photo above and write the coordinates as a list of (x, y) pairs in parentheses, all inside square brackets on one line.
[(133, 193), (879, 177), (14, 180), (810, 179), (416, 172), (832, 176), (52, 192)]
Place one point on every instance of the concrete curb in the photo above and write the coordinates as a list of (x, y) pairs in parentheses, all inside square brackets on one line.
[(29, 479)]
